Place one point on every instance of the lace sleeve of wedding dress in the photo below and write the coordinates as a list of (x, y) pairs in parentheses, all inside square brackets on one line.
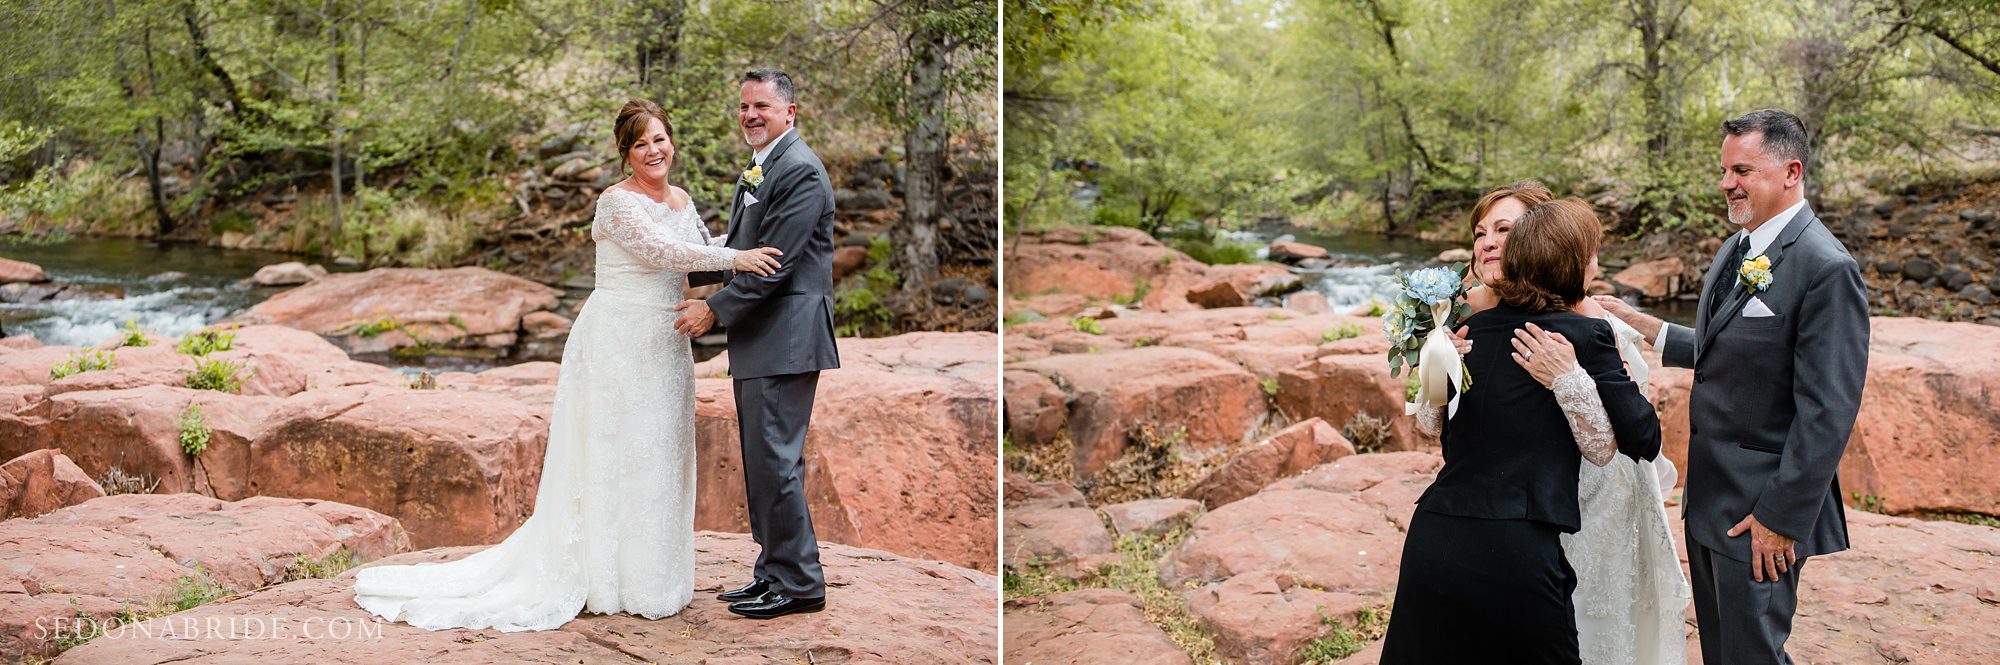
[(622, 221), (1577, 394), (1430, 420)]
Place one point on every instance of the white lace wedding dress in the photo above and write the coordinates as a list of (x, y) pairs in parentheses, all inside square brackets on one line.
[(1630, 597), (613, 527)]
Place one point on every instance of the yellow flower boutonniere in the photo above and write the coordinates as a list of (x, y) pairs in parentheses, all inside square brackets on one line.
[(754, 177), (1756, 274)]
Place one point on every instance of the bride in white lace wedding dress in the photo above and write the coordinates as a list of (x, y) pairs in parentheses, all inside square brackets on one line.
[(1630, 597), (613, 525)]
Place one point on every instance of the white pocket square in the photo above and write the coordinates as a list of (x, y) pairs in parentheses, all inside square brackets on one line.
[(749, 199), (1756, 309)]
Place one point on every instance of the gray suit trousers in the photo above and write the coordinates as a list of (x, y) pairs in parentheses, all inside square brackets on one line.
[(771, 417), (1741, 621)]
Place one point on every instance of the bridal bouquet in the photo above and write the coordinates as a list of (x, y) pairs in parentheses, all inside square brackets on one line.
[(1428, 303)]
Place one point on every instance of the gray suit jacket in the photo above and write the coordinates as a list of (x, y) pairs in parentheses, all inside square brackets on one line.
[(781, 323), (1774, 397)]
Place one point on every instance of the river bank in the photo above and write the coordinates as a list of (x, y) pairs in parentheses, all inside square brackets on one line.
[(1227, 478)]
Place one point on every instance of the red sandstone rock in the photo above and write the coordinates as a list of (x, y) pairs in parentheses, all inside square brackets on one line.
[(846, 260), (41, 481), (881, 608), (1087, 627), (1289, 452), (1047, 534), (289, 273), (1336, 388), (128, 552), (1655, 280), (1150, 516), (455, 467), (12, 271), (1110, 392), (1218, 294), (137, 431), (1294, 252), (900, 455), (481, 306), (1036, 408)]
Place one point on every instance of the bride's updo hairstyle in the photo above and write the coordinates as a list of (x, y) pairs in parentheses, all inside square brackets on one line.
[(1548, 252), (632, 123)]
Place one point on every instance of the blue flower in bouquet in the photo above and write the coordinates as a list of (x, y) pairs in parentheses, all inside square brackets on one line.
[(1432, 285), (1397, 326)]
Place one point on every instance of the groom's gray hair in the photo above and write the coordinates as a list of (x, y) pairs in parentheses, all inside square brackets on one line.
[(773, 76), (1784, 134)]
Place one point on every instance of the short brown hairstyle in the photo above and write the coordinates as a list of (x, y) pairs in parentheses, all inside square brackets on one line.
[(632, 122), (1529, 192), (1548, 254)]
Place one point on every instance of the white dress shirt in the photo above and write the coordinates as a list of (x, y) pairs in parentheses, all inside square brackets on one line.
[(766, 150), (1759, 240)]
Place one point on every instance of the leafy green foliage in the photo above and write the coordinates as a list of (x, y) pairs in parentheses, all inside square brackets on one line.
[(78, 363), (133, 335), (1394, 115), (1347, 331), (1339, 640), (216, 374), (303, 567), (195, 432), (1086, 324), (1136, 571), (858, 309), (195, 590), (204, 342), (370, 328)]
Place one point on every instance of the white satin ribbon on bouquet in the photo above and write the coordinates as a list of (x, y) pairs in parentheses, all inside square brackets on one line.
[(1437, 366)]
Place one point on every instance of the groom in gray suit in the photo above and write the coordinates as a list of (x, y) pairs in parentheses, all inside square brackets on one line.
[(1779, 354), (780, 337)]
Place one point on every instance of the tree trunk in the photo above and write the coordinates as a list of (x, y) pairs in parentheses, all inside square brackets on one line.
[(925, 145), (333, 56), (151, 153), (658, 51)]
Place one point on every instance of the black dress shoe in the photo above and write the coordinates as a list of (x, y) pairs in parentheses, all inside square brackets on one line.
[(749, 591), (772, 605)]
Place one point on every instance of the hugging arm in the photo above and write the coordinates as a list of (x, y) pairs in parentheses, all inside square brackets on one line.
[(620, 221), (795, 208)]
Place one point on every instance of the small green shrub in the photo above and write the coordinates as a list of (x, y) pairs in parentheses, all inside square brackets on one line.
[(195, 431), (859, 309), (204, 342), (332, 565), (1340, 640), (1141, 288), (1349, 331), (372, 328), (196, 590), (1270, 386), (1086, 324), (78, 363), (222, 375), (133, 335)]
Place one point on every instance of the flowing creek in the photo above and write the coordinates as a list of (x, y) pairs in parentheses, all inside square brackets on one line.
[(1364, 264)]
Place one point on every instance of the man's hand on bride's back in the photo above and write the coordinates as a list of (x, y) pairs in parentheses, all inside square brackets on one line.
[(762, 260)]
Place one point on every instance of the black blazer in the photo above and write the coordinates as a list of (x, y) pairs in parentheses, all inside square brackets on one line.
[(1508, 453)]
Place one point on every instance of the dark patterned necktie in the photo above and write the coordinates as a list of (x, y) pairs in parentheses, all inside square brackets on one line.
[(1731, 273)]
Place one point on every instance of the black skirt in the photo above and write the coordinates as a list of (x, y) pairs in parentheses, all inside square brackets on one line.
[(1482, 591)]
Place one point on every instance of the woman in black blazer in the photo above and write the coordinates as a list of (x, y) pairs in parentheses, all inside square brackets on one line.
[(1483, 578)]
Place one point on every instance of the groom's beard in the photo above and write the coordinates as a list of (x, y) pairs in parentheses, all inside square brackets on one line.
[(1739, 215)]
